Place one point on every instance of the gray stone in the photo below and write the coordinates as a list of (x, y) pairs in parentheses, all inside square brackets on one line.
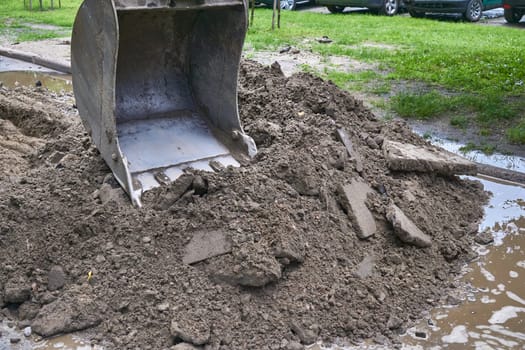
[(405, 229), (16, 291), (352, 152), (107, 193), (63, 316), (185, 346), (353, 200), (199, 185), (306, 336), (205, 245), (484, 238), (191, 330), (425, 158), (163, 307), (27, 331), (100, 259), (56, 278), (365, 267), (394, 322)]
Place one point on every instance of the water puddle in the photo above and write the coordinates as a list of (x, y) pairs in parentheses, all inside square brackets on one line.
[(56, 83), (65, 342), (492, 312)]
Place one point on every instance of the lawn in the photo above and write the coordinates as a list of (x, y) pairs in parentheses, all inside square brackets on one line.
[(472, 74)]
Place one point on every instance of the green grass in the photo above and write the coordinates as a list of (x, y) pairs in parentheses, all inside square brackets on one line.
[(487, 149), (517, 134), (459, 121), (423, 105), (16, 22)]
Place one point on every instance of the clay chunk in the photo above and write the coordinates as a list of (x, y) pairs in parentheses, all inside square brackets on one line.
[(205, 245), (407, 157), (353, 200), (405, 229)]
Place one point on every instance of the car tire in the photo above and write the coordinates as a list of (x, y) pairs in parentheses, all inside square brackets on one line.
[(335, 8), (288, 5), (512, 15), (416, 14), (389, 8), (473, 11)]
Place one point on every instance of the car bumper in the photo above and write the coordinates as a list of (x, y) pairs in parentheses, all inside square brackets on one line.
[(515, 4), (436, 6)]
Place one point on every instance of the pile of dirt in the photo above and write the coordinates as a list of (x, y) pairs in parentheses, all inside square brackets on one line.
[(75, 254)]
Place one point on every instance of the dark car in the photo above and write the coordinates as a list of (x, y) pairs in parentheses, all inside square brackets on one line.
[(471, 9), (286, 4), (513, 10), (382, 7)]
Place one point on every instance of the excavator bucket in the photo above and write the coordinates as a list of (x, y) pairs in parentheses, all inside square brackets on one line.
[(155, 83)]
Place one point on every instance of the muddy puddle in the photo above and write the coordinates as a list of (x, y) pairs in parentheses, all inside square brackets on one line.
[(56, 83), (15, 73)]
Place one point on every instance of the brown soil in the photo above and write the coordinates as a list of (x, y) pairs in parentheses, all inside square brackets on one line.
[(280, 211)]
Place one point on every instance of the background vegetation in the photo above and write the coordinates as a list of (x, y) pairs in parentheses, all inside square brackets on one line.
[(473, 74)]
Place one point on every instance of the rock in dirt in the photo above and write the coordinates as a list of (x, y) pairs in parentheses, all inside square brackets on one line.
[(307, 336), (28, 310), (16, 291), (408, 157), (365, 267), (251, 266), (353, 199), (206, 244), (484, 238), (352, 152), (405, 229), (190, 328), (65, 316), (107, 194), (56, 278), (394, 322)]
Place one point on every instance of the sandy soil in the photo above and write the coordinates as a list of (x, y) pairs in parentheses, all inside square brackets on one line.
[(296, 273)]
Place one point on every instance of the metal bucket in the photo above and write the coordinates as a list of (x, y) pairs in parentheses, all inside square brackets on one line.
[(155, 83)]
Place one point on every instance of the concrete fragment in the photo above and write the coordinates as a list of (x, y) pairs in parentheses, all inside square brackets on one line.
[(353, 200), (352, 152), (425, 158), (65, 316), (205, 245), (176, 190), (365, 267), (405, 229), (56, 278)]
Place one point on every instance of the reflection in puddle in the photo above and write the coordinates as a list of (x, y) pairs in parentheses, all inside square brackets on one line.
[(65, 342), (56, 82), (492, 315)]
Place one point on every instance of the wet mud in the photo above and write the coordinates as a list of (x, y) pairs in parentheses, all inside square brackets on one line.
[(76, 256)]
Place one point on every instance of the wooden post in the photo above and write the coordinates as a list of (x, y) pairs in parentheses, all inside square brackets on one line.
[(273, 14), (253, 10), (41, 7), (279, 14)]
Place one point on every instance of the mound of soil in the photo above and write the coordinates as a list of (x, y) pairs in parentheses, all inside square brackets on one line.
[(75, 254)]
